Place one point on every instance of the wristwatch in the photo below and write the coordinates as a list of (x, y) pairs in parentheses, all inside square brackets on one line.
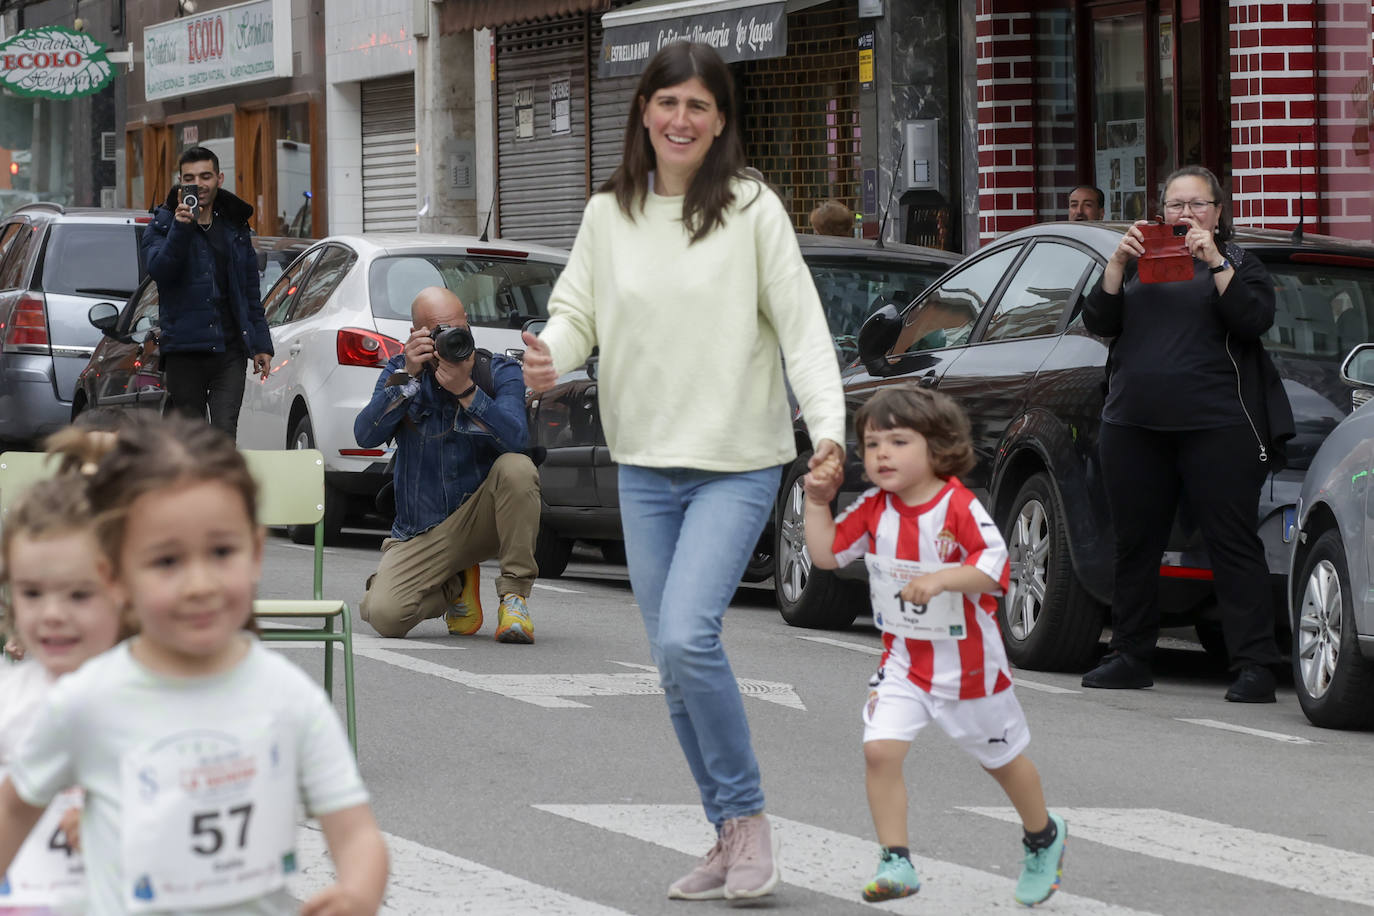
[(1224, 265)]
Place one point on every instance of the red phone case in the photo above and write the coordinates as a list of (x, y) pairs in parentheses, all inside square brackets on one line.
[(1166, 258)]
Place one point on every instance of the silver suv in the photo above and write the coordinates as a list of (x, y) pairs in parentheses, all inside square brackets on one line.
[(55, 263)]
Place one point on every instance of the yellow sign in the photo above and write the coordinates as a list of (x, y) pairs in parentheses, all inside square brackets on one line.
[(866, 65)]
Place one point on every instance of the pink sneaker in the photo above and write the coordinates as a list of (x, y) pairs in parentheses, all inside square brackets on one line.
[(706, 881), (751, 857)]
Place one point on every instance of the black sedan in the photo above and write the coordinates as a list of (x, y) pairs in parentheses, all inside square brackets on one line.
[(577, 477), (124, 370), (1002, 334)]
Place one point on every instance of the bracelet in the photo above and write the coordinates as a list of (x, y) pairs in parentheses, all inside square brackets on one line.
[(467, 391)]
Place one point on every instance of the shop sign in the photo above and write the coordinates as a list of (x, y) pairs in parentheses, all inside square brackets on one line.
[(224, 47), (53, 62), (751, 32), (560, 104)]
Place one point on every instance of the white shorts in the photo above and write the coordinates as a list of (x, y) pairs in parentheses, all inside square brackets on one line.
[(992, 729)]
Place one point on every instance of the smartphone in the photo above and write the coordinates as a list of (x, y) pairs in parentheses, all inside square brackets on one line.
[(190, 196)]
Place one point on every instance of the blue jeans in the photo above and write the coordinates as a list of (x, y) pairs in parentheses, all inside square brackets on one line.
[(688, 537)]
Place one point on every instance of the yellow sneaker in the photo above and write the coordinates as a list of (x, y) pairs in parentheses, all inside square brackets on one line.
[(516, 626), (465, 617)]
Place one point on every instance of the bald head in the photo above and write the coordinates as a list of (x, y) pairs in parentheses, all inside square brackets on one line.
[(436, 305)]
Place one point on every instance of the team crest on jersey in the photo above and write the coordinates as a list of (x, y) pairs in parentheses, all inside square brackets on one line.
[(947, 546)]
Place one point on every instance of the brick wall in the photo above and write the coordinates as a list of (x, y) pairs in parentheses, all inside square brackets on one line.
[(1300, 114), (1006, 136)]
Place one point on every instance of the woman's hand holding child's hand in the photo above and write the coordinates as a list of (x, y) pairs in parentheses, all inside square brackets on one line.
[(923, 588), (824, 481)]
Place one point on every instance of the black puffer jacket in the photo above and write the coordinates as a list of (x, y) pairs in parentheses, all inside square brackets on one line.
[(185, 275)]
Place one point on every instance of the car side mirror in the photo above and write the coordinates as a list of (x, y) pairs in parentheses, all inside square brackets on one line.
[(535, 326), (104, 316), (1358, 368), (876, 338)]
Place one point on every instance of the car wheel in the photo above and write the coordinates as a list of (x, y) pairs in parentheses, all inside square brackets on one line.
[(551, 554), (1048, 621), (1335, 683), (303, 436), (807, 597)]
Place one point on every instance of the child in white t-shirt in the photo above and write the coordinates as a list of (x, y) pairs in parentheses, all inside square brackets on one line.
[(193, 743), (62, 612), (935, 561)]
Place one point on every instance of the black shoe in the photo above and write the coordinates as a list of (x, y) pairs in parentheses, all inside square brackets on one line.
[(1121, 672), (1254, 684)]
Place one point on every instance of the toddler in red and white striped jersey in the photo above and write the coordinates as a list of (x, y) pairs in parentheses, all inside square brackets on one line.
[(936, 564)]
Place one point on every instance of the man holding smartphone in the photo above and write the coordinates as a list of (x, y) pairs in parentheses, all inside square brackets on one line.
[(199, 252)]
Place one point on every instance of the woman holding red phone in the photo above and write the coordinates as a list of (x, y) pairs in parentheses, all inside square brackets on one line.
[(1195, 410)]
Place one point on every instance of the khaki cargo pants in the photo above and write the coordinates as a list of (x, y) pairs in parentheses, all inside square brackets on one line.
[(422, 577)]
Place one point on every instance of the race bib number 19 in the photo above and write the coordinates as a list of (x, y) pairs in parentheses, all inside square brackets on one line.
[(47, 872), (209, 818), (941, 618)]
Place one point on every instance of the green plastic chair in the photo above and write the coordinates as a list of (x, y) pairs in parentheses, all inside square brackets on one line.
[(291, 492)]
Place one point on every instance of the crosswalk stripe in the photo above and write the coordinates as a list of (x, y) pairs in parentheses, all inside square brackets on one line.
[(1295, 864), (427, 881), (832, 863)]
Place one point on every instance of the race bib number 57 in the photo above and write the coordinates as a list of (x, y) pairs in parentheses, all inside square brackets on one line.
[(209, 818), (941, 618)]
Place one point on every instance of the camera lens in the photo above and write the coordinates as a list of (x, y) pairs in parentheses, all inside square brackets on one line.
[(453, 344)]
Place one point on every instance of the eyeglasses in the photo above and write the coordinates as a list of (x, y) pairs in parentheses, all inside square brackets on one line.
[(1196, 206)]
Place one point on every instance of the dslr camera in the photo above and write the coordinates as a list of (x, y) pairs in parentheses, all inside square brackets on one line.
[(453, 343), (190, 197)]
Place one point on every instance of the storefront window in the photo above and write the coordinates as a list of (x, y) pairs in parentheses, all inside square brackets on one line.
[(1119, 143), (215, 134), (291, 136), (1056, 110)]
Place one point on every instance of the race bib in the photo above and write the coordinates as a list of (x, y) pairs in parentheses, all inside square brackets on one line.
[(942, 618), (209, 817), (47, 872)]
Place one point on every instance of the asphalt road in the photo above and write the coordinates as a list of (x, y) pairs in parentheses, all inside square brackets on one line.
[(546, 779)]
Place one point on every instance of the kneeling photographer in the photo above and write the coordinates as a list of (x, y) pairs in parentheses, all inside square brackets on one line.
[(465, 490)]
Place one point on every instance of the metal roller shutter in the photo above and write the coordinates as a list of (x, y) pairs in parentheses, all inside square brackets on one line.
[(542, 180), (389, 189), (610, 107)]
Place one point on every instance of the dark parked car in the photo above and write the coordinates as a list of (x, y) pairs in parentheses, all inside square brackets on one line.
[(577, 476), (123, 370), (1002, 334)]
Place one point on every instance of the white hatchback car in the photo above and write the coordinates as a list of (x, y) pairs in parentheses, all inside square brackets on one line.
[(343, 309)]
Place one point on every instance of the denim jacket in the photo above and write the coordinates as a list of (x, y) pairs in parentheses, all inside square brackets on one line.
[(443, 450)]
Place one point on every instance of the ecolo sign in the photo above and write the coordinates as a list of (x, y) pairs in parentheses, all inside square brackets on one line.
[(53, 62)]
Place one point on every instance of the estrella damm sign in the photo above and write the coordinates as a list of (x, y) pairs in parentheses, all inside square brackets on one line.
[(53, 62)]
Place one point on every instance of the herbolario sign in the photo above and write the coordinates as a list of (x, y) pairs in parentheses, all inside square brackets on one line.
[(738, 29), (223, 47), (53, 62)]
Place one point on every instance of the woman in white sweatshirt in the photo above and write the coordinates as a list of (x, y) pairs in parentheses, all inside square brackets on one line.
[(686, 273)]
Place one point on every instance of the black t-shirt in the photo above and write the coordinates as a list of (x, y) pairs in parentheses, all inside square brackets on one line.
[(1170, 368)]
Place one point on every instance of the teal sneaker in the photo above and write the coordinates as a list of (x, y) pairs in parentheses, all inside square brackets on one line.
[(1043, 868), (896, 877)]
